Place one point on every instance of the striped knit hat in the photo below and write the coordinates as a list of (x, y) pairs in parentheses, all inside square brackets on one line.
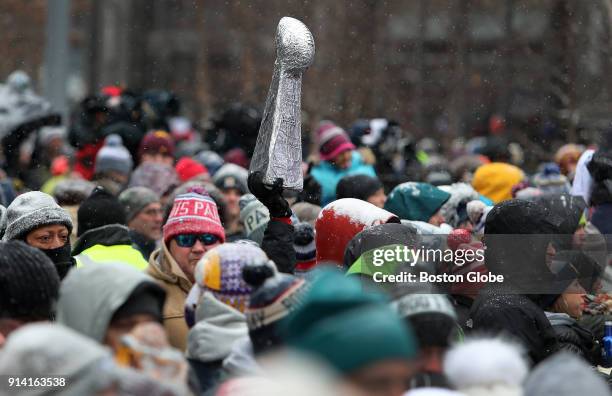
[(193, 213), (333, 141)]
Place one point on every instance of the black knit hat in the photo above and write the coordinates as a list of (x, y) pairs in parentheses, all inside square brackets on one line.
[(29, 283), (274, 296), (99, 209), (357, 186)]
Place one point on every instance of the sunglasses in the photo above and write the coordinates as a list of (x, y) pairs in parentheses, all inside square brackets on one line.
[(188, 240)]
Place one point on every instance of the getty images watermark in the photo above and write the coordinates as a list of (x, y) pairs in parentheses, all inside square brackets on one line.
[(410, 256)]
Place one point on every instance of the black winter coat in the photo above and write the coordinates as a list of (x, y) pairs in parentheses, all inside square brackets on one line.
[(278, 245), (574, 338), (515, 315)]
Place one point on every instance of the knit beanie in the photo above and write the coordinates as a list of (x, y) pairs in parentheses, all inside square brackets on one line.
[(156, 142), (305, 248), (232, 176), (550, 180), (193, 213), (29, 283), (99, 209), (431, 316), (347, 327), (274, 296), (416, 201), (333, 141), (495, 180), (220, 272), (254, 216), (160, 178), (72, 191), (136, 199), (32, 210), (211, 160), (358, 186), (113, 156), (187, 168), (306, 211)]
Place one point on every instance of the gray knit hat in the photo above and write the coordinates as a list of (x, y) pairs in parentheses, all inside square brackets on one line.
[(32, 210), (135, 199), (113, 156), (254, 216)]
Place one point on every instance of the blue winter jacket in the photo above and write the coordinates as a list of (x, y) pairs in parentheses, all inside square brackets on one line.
[(328, 176)]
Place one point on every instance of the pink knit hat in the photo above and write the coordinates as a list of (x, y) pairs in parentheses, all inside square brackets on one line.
[(333, 141), (193, 213)]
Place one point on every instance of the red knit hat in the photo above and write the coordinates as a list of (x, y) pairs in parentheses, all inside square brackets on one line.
[(340, 221), (156, 142), (188, 168), (333, 141), (193, 213)]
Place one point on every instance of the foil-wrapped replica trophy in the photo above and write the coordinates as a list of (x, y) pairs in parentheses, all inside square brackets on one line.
[(278, 151)]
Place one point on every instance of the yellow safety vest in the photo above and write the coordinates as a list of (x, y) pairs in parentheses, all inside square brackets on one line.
[(112, 254)]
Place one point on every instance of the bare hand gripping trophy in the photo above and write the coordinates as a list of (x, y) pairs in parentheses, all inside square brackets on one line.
[(278, 152)]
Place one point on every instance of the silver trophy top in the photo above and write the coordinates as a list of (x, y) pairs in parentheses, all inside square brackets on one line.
[(295, 46)]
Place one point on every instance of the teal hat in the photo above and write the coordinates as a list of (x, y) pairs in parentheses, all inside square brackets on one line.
[(416, 201), (346, 326)]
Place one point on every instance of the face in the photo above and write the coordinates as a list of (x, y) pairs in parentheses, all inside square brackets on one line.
[(388, 378), (48, 237), (232, 196), (378, 198), (343, 160), (571, 301), (436, 219), (187, 257), (158, 158), (149, 221), (120, 327)]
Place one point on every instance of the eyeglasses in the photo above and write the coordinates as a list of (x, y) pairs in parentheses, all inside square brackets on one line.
[(188, 240)]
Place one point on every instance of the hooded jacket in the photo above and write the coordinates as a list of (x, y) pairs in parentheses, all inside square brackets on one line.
[(109, 243), (90, 296), (169, 275), (509, 308), (210, 340)]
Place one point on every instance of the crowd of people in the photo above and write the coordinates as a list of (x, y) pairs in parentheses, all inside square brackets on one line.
[(139, 256)]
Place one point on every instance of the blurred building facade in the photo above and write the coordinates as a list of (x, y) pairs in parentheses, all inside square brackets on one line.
[(434, 65)]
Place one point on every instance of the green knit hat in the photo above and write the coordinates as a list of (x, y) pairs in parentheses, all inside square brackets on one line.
[(346, 326), (416, 201)]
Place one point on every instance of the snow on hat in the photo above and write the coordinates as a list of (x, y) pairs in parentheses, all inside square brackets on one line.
[(274, 296), (193, 213), (495, 180), (305, 248), (158, 177), (113, 156), (29, 282), (48, 133), (494, 366), (156, 142), (416, 201), (135, 199), (305, 211), (416, 304), (333, 141), (99, 209), (565, 374), (340, 221), (32, 210), (187, 168), (219, 271), (232, 176), (254, 216), (550, 180)]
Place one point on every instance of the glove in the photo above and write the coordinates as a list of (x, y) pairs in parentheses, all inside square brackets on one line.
[(270, 196)]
